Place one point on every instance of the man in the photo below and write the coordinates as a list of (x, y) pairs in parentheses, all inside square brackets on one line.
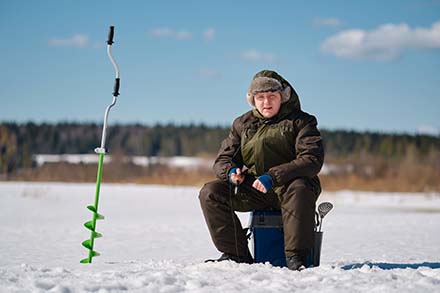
[(270, 160)]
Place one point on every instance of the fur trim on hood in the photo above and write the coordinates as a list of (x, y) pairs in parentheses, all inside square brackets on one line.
[(263, 83)]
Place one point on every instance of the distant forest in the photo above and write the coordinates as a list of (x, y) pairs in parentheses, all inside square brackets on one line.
[(18, 142)]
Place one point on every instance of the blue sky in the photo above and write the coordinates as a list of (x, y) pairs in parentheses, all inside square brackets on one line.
[(362, 65)]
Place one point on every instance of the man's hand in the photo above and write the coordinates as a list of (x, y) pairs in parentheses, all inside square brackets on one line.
[(236, 177), (263, 183)]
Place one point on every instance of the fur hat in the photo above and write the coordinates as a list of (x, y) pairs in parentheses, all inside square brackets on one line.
[(266, 84)]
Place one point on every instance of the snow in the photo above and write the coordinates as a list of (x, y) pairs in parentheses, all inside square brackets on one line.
[(155, 240), (184, 162)]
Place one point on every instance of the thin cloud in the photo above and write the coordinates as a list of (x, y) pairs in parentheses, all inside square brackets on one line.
[(208, 34), (162, 32), (386, 42), (183, 35), (165, 32), (255, 56), (331, 22), (76, 41)]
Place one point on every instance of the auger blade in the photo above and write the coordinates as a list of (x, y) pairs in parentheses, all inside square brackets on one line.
[(92, 254), (92, 208), (87, 244), (95, 253), (98, 216), (96, 234), (89, 225)]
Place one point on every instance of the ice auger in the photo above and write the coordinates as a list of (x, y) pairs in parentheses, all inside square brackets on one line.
[(91, 225)]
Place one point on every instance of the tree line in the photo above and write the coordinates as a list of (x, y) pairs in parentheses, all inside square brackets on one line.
[(18, 142)]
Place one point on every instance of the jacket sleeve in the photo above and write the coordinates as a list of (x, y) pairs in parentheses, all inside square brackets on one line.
[(309, 155), (229, 155)]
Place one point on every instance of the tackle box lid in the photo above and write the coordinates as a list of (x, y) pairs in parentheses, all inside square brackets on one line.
[(266, 219)]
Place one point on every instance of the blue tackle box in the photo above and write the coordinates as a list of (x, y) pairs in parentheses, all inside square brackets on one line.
[(267, 240)]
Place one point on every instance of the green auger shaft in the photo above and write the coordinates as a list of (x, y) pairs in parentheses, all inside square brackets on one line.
[(91, 225)]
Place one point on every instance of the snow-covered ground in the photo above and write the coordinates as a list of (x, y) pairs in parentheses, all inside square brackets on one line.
[(184, 162), (155, 240)]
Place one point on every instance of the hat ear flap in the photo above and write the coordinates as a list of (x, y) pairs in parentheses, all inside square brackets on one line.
[(250, 99), (285, 94)]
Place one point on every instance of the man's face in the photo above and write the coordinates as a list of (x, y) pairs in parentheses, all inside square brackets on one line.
[(268, 103)]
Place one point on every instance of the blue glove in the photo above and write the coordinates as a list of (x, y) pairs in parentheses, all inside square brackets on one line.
[(232, 171), (266, 180)]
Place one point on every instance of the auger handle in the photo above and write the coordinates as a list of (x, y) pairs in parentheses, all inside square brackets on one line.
[(115, 88), (111, 33)]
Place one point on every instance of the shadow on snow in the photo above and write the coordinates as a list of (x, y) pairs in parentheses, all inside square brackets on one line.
[(392, 266)]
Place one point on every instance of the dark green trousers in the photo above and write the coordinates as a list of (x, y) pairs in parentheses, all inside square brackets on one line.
[(296, 202)]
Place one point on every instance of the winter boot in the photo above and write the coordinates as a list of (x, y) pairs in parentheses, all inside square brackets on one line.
[(224, 257), (297, 261)]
